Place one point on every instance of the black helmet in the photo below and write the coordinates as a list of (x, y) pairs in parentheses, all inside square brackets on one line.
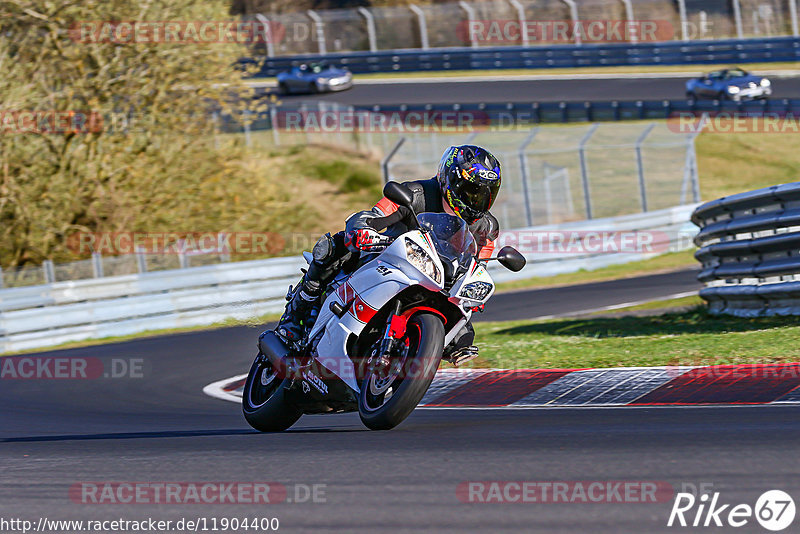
[(469, 177)]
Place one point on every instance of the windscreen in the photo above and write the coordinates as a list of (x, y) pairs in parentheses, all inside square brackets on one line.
[(450, 235)]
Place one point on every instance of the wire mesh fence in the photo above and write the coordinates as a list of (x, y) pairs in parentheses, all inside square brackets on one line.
[(525, 22), (551, 174)]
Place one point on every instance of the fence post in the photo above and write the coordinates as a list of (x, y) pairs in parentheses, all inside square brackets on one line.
[(373, 41), (737, 17), (267, 34), (523, 164), (246, 126), (388, 158), (273, 119), (523, 28), (97, 265), (141, 261), (423, 25), (1, 278), (319, 26), (573, 14), (684, 20), (470, 17), (629, 17), (584, 169), (640, 165), (691, 160), (49, 271), (793, 14)]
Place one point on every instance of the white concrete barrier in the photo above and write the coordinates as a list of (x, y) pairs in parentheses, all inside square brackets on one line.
[(47, 315)]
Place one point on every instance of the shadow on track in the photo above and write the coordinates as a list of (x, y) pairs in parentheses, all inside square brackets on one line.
[(172, 434), (694, 321)]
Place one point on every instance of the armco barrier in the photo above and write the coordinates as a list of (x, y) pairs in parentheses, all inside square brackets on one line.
[(750, 251), (557, 56), (520, 114), (46, 315)]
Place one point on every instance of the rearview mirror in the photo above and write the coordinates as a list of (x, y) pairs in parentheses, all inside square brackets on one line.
[(399, 194), (511, 259)]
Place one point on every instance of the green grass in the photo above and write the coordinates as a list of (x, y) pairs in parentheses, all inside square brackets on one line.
[(582, 70), (686, 338), (664, 263), (666, 304)]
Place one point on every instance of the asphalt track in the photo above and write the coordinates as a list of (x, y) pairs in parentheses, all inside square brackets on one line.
[(368, 94), (161, 428)]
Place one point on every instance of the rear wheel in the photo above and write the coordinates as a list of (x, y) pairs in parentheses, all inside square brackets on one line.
[(263, 401), (389, 393), (283, 88)]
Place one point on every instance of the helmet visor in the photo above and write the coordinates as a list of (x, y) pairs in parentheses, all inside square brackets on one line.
[(478, 196)]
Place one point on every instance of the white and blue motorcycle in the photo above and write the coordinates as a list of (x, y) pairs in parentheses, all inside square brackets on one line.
[(379, 336)]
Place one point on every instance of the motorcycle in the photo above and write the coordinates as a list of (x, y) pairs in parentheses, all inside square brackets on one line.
[(379, 336)]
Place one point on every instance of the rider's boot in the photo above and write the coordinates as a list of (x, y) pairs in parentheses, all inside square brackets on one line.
[(300, 312)]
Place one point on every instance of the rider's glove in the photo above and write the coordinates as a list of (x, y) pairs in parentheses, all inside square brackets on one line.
[(366, 239)]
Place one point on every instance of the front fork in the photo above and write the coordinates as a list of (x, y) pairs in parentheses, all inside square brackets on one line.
[(391, 341)]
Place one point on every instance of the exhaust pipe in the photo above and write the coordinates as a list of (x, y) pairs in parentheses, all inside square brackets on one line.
[(276, 350)]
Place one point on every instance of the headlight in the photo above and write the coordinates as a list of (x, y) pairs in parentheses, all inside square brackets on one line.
[(733, 89), (765, 83), (323, 80), (476, 291), (422, 261)]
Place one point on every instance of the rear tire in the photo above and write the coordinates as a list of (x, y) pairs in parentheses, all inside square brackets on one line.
[(263, 402), (426, 342)]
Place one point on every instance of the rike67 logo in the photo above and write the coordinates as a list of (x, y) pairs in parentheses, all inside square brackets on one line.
[(774, 510)]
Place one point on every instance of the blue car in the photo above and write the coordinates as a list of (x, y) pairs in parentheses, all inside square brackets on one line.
[(732, 84), (314, 78)]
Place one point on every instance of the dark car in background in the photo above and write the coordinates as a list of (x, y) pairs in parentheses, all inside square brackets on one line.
[(731, 84), (314, 78)]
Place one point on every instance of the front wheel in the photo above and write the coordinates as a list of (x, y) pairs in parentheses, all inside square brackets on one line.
[(263, 404), (388, 396)]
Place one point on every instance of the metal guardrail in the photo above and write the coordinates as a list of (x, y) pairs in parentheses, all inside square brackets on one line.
[(557, 56), (510, 114), (51, 314), (750, 251)]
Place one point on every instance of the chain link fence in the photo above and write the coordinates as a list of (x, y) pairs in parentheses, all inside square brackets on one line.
[(523, 22), (551, 174)]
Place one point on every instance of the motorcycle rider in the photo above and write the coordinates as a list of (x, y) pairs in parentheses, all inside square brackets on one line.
[(466, 185)]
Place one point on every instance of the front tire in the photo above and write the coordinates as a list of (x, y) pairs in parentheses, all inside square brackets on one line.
[(383, 406), (263, 402)]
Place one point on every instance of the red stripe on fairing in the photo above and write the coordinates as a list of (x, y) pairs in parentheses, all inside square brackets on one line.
[(499, 388), (362, 311), (346, 293), (727, 384)]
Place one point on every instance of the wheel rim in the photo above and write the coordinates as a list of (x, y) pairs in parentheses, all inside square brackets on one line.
[(263, 381), (384, 380)]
